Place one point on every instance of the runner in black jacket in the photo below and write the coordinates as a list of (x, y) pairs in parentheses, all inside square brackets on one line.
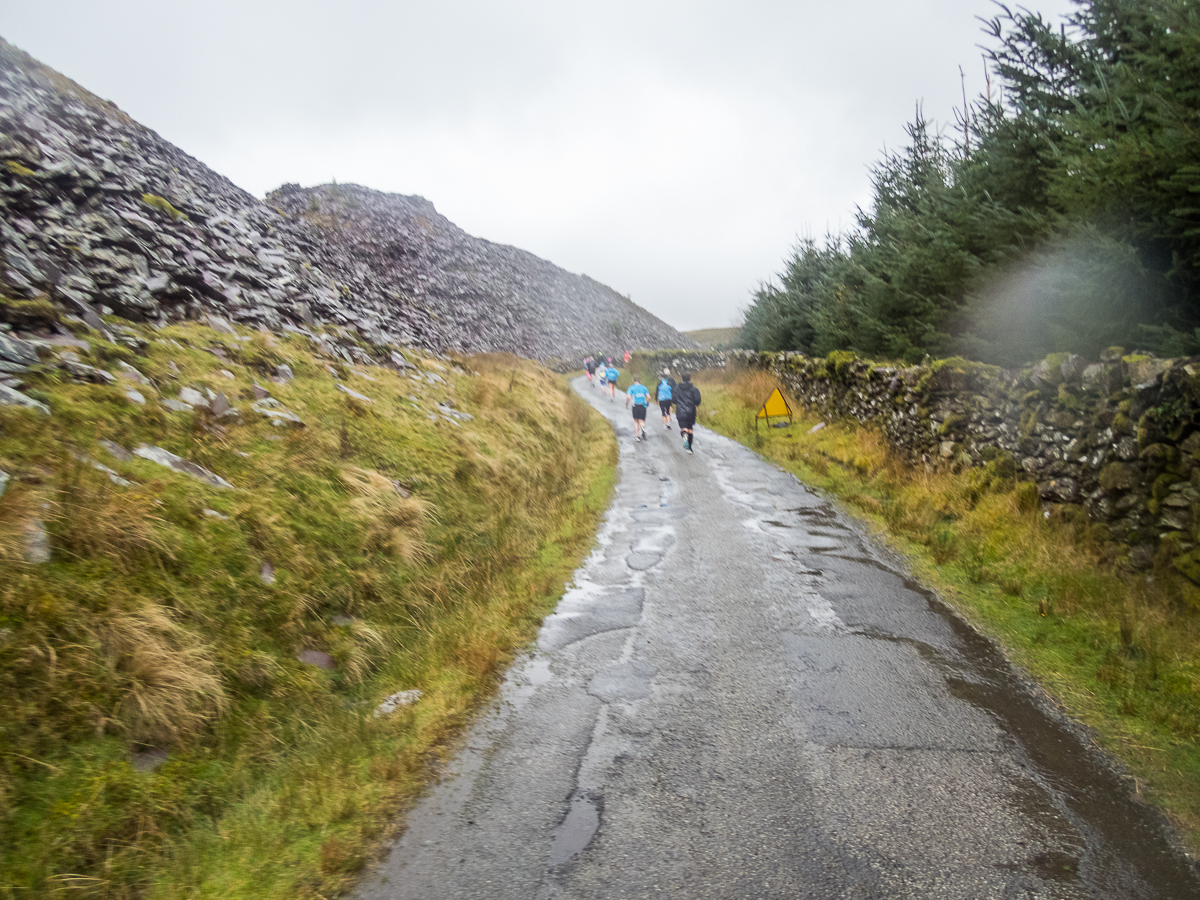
[(687, 401)]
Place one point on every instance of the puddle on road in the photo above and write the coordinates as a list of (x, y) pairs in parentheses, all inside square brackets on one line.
[(576, 830)]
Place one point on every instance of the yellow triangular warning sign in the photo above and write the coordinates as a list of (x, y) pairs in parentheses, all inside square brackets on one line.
[(775, 406)]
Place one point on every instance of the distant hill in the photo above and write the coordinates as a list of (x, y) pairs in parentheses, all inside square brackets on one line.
[(98, 213), (714, 338)]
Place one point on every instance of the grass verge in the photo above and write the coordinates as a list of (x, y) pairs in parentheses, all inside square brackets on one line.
[(1120, 651), (188, 685)]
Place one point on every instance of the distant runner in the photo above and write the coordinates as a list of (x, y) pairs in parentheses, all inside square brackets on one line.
[(663, 394), (602, 373), (613, 375), (627, 359), (687, 401), (640, 397), (590, 365)]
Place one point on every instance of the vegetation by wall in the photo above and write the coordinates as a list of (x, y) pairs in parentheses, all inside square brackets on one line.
[(1116, 441)]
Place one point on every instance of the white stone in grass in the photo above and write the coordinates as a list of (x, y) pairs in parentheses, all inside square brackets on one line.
[(115, 450), (362, 398), (9, 397), (450, 413), (816, 428), (179, 464), (395, 701), (220, 325), (37, 543), (128, 372), (192, 397), (276, 412)]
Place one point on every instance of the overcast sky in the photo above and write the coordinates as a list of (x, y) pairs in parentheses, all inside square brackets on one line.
[(672, 150)]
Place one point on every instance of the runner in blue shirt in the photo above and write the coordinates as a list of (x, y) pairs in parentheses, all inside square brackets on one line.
[(640, 396), (666, 385), (613, 375)]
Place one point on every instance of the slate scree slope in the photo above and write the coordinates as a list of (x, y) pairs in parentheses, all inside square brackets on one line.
[(98, 212)]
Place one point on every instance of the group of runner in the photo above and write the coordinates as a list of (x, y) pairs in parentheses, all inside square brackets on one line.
[(603, 371), (685, 397)]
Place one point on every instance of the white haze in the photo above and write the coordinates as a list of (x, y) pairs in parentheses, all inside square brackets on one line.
[(672, 150)]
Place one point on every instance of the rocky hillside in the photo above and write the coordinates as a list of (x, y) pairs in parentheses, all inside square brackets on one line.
[(99, 214), (399, 251)]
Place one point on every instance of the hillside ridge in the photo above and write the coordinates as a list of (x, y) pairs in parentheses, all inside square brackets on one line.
[(100, 214)]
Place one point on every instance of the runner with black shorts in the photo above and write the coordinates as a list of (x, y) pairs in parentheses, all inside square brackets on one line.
[(663, 394), (687, 401), (641, 399)]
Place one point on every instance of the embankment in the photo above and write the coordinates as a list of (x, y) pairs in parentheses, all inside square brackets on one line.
[(249, 584)]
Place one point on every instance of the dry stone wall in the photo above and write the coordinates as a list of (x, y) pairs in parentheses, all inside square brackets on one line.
[(99, 214), (678, 361), (647, 363), (1117, 439)]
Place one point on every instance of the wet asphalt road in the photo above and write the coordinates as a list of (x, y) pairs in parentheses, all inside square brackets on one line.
[(741, 697)]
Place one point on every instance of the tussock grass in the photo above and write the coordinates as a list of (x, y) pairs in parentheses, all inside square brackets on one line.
[(416, 552), (1120, 651)]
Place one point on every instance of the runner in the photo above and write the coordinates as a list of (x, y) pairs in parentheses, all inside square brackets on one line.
[(641, 399), (627, 359), (602, 372), (662, 394), (590, 365), (687, 401), (613, 375)]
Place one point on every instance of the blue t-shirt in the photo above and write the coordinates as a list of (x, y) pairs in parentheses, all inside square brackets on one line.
[(613, 374), (664, 390), (639, 394)]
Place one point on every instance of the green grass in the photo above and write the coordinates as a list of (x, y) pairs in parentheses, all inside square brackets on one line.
[(418, 554), (715, 338), (1120, 651)]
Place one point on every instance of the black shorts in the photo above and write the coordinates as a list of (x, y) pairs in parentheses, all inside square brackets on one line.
[(665, 406), (686, 421), (639, 412)]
